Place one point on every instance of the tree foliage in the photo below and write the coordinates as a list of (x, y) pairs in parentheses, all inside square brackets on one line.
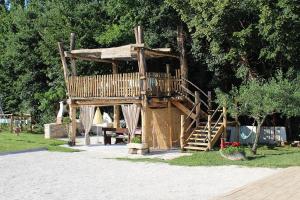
[(250, 36), (260, 98)]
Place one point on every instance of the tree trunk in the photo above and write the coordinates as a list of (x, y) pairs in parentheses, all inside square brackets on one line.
[(255, 144)]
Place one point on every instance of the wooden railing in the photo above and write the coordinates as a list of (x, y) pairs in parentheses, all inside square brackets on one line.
[(162, 84), (122, 85)]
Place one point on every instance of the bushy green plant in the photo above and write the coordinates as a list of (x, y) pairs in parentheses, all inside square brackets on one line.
[(136, 139), (231, 150)]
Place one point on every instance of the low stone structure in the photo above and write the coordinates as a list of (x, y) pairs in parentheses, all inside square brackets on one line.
[(54, 130)]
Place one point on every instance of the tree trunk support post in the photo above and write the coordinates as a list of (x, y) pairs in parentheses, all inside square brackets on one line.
[(72, 132), (116, 107), (64, 62), (198, 109), (182, 52), (225, 123), (139, 37), (209, 131), (182, 118), (72, 47)]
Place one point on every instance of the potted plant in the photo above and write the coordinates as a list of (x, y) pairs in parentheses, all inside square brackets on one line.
[(136, 146), (233, 151)]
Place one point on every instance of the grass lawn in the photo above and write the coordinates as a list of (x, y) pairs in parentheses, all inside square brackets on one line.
[(266, 157), (25, 141)]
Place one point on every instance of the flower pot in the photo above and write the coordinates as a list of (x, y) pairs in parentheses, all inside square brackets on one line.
[(234, 156), (138, 148)]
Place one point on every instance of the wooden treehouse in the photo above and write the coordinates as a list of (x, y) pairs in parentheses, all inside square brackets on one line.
[(174, 111)]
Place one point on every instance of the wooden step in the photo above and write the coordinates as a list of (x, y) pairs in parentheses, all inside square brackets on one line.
[(197, 143), (198, 139), (195, 148), (202, 134), (206, 131)]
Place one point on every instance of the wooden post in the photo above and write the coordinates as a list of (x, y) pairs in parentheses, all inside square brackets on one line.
[(209, 102), (12, 123), (209, 131), (141, 57), (72, 47), (197, 104), (63, 61), (142, 71), (72, 134), (225, 123), (182, 52), (116, 107), (182, 118), (168, 80), (144, 122)]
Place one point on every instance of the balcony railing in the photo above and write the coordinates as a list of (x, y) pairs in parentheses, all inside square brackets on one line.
[(122, 85)]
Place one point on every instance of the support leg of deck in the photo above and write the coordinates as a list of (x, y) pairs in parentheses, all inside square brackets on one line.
[(116, 116), (72, 134)]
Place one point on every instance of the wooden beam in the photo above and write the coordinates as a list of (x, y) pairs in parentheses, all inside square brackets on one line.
[(154, 53), (87, 58), (106, 101), (72, 47), (63, 60)]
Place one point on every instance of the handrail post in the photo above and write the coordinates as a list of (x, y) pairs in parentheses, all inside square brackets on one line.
[(209, 131), (182, 132), (168, 80), (209, 102), (225, 122), (197, 104)]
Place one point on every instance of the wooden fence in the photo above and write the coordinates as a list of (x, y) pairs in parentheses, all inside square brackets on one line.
[(122, 85)]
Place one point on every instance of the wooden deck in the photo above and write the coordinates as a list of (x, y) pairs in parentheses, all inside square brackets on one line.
[(283, 185)]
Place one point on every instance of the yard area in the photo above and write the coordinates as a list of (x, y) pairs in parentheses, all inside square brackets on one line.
[(280, 157), (26, 141)]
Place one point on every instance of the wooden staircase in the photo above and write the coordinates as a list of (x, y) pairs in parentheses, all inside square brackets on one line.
[(199, 138), (203, 126)]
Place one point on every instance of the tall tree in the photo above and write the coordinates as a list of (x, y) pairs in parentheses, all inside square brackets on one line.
[(243, 37)]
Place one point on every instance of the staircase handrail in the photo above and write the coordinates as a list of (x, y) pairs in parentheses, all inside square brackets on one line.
[(195, 86)]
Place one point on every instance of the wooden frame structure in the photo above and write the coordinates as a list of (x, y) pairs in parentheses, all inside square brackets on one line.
[(163, 96), (14, 117)]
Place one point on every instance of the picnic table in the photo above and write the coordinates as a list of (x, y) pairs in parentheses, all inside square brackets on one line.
[(121, 134)]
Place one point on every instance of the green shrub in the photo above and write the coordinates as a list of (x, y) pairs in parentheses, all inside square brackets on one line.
[(231, 150), (136, 139)]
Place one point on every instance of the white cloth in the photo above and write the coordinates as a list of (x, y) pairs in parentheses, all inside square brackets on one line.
[(106, 118), (131, 114), (86, 117)]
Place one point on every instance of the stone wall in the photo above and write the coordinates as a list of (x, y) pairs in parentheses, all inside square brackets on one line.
[(54, 130)]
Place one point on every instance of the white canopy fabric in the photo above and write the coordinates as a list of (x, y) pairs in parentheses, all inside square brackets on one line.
[(86, 117), (131, 114), (98, 119)]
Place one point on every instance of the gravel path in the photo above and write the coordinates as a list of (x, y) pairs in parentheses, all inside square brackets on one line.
[(88, 176)]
